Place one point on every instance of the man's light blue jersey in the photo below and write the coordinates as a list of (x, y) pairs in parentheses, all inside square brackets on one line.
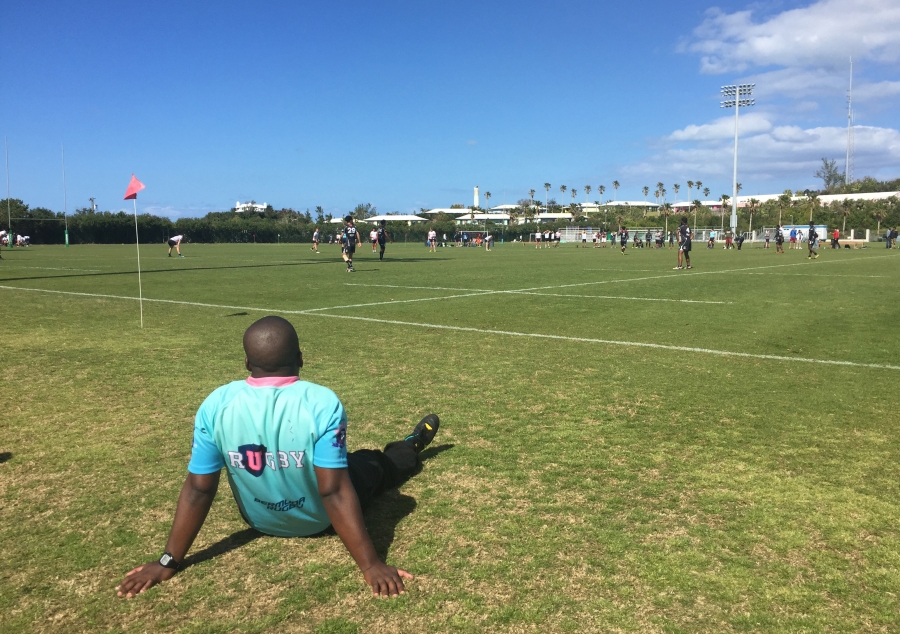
[(269, 434)]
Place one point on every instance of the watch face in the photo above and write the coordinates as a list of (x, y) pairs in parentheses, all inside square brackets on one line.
[(165, 560)]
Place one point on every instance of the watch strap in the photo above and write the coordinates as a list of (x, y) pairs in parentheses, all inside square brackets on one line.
[(168, 561)]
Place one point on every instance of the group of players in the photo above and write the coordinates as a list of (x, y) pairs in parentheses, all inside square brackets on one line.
[(350, 239), (685, 236)]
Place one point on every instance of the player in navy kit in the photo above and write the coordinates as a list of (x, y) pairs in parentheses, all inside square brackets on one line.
[(350, 240), (383, 236), (812, 242), (623, 238), (779, 239), (684, 244)]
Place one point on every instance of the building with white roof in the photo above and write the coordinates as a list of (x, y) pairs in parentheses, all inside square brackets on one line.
[(251, 206)]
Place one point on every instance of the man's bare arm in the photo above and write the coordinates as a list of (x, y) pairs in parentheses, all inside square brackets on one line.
[(196, 497), (342, 506)]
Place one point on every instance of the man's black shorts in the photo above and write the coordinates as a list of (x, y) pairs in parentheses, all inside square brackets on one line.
[(349, 249), (172, 243), (685, 247)]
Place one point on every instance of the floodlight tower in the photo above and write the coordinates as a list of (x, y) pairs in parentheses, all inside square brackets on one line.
[(848, 166), (733, 99)]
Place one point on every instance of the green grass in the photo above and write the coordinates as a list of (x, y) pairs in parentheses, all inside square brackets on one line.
[(590, 484)]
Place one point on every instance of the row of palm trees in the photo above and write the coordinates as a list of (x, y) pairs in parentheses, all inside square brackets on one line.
[(660, 191)]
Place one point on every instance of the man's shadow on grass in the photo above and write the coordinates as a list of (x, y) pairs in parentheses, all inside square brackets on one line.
[(381, 519), (5, 456), (195, 268)]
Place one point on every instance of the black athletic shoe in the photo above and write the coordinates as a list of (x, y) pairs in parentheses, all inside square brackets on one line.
[(424, 432)]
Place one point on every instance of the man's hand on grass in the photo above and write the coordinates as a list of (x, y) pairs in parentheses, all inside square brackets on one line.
[(143, 578), (386, 581)]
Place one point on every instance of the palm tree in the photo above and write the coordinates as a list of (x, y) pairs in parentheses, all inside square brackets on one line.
[(698, 184), (487, 198), (529, 214), (657, 193), (878, 214), (784, 201), (587, 192), (575, 209), (845, 211), (665, 211), (813, 202), (725, 198), (752, 208), (547, 192), (562, 189), (676, 187), (574, 193), (697, 206), (690, 185), (706, 192), (646, 191), (616, 188), (601, 189), (531, 194)]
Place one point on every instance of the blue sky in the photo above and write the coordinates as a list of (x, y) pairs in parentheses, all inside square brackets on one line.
[(411, 104)]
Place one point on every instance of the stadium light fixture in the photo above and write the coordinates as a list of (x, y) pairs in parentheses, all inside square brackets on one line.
[(736, 96)]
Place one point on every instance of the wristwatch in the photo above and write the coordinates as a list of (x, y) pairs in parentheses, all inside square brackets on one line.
[(168, 561)]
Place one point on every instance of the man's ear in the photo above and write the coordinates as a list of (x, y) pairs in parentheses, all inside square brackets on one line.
[(247, 365), (299, 359)]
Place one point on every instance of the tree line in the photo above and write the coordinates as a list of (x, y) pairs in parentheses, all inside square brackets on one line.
[(87, 226)]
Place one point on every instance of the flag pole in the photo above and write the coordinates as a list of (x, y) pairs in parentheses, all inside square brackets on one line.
[(137, 243), (65, 195)]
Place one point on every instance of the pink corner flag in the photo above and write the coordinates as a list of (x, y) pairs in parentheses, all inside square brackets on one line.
[(133, 188)]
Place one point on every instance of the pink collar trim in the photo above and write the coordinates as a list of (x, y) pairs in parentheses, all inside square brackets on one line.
[(272, 381)]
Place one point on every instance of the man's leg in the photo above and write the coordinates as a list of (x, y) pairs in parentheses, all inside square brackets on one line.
[(373, 472)]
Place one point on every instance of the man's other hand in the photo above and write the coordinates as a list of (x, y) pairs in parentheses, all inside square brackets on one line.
[(143, 578), (386, 581)]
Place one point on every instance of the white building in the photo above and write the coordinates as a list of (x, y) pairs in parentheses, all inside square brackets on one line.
[(241, 207)]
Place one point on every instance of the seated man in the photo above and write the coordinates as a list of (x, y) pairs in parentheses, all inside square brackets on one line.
[(282, 443)]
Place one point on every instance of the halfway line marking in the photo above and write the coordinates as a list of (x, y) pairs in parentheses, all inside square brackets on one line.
[(508, 333), (489, 292)]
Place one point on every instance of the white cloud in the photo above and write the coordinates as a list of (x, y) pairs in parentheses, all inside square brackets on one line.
[(880, 90), (723, 128), (174, 213), (800, 55), (825, 32), (779, 153)]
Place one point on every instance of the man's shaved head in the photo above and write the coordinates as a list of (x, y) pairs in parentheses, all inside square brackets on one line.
[(272, 347)]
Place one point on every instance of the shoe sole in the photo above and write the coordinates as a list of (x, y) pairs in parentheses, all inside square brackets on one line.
[(425, 430)]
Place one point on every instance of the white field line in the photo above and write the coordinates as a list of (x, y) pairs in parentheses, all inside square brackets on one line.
[(400, 301), (476, 291), (50, 268), (508, 333), (814, 275), (637, 299), (690, 273)]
